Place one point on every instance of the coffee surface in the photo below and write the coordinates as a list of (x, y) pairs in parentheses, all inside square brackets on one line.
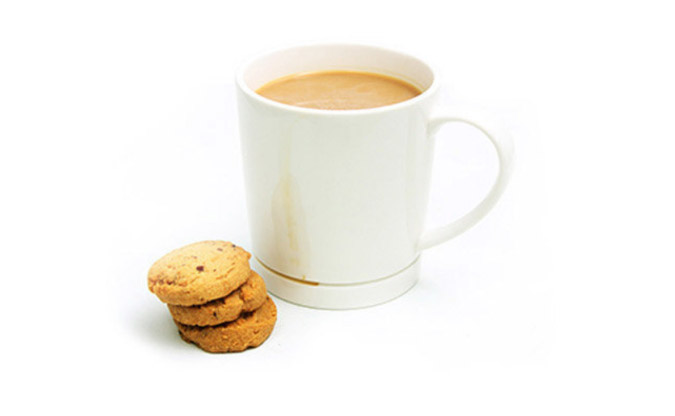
[(338, 90)]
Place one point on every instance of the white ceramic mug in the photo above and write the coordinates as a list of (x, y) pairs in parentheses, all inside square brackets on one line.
[(337, 198)]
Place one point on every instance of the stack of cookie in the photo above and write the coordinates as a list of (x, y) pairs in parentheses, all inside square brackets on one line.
[(216, 300)]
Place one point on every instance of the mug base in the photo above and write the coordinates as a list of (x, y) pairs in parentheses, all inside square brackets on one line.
[(331, 296)]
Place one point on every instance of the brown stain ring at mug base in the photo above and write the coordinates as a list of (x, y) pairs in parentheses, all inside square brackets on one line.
[(285, 276)]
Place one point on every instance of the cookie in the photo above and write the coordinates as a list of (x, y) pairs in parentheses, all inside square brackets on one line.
[(250, 296), (199, 273), (250, 330)]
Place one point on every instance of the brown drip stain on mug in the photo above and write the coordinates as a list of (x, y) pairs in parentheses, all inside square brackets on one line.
[(338, 90)]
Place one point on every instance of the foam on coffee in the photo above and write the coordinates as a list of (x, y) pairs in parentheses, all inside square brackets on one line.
[(338, 90)]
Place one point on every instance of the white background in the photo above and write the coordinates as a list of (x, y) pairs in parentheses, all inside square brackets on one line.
[(119, 143)]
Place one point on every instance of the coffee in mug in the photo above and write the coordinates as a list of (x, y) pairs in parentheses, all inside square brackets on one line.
[(338, 90)]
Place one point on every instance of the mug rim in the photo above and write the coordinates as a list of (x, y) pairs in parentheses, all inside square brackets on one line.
[(241, 84)]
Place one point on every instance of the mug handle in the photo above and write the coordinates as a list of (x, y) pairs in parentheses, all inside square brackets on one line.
[(501, 140)]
